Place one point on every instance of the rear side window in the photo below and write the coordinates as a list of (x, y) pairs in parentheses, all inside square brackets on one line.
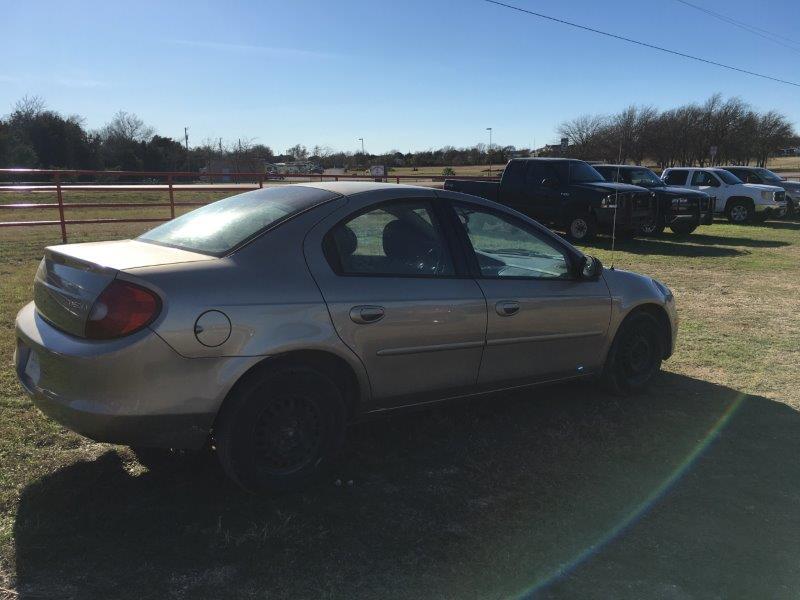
[(400, 238), (538, 172), (219, 227), (675, 177)]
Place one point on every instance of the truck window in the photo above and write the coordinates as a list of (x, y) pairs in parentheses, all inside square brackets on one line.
[(538, 172), (581, 172), (676, 177), (728, 178), (704, 178)]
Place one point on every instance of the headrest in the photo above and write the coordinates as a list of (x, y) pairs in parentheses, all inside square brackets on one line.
[(404, 241)]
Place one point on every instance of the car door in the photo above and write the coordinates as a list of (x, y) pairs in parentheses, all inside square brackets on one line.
[(543, 322), (707, 182), (548, 189), (399, 296)]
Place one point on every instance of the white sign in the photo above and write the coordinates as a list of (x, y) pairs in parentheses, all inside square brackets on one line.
[(377, 171)]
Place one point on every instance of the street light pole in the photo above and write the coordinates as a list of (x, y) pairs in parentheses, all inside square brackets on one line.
[(489, 129)]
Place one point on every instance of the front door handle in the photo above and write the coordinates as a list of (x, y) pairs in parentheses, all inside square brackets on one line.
[(507, 308), (364, 315)]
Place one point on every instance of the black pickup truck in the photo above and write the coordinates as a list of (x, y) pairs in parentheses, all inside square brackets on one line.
[(565, 194), (678, 208)]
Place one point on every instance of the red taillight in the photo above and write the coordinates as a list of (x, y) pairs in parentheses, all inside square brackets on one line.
[(121, 309)]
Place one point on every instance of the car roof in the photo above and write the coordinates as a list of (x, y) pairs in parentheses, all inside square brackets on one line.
[(348, 188), (623, 166)]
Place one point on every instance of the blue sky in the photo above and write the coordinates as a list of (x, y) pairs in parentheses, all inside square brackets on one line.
[(409, 75)]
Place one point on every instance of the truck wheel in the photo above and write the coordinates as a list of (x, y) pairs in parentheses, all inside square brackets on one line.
[(581, 228), (280, 428), (654, 227), (635, 356), (682, 228), (740, 211)]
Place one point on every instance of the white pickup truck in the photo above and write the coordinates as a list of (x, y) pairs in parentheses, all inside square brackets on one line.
[(740, 202)]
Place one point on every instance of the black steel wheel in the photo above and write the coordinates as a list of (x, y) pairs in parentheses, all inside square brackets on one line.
[(280, 428), (636, 354)]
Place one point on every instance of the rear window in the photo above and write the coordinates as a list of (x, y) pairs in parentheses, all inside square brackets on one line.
[(676, 177), (219, 227)]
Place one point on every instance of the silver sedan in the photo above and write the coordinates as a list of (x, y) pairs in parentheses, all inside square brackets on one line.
[(267, 321)]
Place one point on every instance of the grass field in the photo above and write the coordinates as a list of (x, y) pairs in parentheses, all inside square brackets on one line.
[(691, 491)]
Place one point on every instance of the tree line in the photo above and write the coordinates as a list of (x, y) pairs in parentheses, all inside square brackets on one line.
[(730, 130), (34, 136)]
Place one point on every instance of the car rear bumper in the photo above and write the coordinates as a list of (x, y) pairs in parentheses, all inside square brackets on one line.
[(134, 390)]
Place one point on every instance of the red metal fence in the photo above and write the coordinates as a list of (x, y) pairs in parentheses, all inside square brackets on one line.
[(75, 180)]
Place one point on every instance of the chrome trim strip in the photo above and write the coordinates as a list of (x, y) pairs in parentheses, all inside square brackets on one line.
[(432, 348), (543, 338)]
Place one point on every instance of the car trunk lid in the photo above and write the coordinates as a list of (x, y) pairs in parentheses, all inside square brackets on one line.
[(72, 276)]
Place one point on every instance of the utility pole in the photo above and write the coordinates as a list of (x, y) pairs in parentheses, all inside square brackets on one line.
[(186, 139), (489, 129)]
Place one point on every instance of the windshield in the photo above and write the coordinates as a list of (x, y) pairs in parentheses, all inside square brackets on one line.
[(727, 176), (581, 172), (218, 227), (768, 175)]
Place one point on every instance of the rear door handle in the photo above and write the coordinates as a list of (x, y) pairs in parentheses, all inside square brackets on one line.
[(364, 315), (507, 308)]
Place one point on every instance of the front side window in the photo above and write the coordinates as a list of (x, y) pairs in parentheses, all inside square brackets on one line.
[(701, 178), (768, 176), (507, 248), (400, 238)]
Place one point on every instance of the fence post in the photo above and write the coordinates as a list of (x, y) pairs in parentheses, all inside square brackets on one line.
[(61, 208), (398, 179), (171, 198), (261, 181)]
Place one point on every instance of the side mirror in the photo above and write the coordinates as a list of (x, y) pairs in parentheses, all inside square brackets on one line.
[(591, 268)]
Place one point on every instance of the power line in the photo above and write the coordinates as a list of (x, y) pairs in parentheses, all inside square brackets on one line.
[(646, 45), (767, 35)]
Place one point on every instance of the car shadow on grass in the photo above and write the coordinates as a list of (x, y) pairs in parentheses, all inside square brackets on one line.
[(678, 246), (690, 491)]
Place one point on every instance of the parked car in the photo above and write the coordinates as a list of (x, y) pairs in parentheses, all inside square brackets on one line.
[(565, 194), (765, 176), (678, 208), (269, 320), (739, 202)]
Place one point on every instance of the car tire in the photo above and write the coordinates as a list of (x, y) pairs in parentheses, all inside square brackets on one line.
[(683, 228), (581, 228), (635, 356), (280, 428), (740, 212)]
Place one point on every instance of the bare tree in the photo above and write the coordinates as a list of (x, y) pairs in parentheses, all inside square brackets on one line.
[(127, 127)]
